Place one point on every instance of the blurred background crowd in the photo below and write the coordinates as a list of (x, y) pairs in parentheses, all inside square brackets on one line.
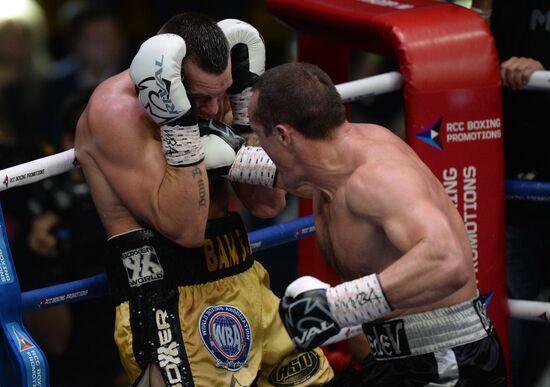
[(52, 55)]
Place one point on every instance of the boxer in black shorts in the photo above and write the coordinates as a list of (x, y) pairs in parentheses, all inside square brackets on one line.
[(387, 226)]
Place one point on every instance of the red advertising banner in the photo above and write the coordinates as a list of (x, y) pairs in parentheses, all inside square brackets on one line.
[(452, 106)]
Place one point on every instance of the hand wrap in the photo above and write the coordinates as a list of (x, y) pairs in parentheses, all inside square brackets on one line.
[(358, 301), (253, 166)]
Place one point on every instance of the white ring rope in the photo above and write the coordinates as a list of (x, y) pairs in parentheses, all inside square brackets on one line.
[(56, 164), (529, 310), (37, 170), (539, 80), (370, 86)]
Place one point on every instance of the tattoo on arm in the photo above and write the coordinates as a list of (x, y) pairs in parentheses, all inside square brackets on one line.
[(202, 194), (202, 186)]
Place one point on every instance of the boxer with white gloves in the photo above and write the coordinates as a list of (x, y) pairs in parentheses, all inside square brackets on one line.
[(192, 305)]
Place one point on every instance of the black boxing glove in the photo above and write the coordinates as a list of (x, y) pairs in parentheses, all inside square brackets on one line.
[(220, 144), (306, 314), (226, 155)]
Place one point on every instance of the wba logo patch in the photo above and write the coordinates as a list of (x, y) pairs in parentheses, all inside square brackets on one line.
[(142, 266), (226, 333)]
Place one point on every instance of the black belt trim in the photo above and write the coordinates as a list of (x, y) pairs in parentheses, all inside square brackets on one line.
[(144, 261)]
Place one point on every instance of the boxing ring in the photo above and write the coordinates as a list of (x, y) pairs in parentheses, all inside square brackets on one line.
[(449, 67), (22, 363)]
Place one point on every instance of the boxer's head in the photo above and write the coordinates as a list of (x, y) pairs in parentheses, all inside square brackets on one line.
[(206, 67), (300, 95)]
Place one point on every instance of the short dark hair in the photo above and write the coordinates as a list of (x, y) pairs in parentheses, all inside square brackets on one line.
[(301, 95), (206, 43)]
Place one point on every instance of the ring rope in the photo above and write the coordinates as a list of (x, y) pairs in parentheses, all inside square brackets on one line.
[(96, 286), (39, 169), (539, 80), (261, 239), (526, 190)]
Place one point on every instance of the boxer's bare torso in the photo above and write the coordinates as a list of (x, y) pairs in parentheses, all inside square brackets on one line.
[(384, 208), (120, 152)]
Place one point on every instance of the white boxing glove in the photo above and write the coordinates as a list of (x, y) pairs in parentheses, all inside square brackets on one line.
[(303, 284), (156, 72), (225, 155), (247, 63), (220, 145)]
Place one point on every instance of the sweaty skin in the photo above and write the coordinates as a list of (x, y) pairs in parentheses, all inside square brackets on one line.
[(119, 149), (378, 209), (132, 186)]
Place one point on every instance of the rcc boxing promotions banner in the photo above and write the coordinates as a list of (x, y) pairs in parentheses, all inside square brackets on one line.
[(452, 107)]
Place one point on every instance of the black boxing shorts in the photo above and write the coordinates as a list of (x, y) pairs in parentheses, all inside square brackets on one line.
[(204, 316), (451, 346)]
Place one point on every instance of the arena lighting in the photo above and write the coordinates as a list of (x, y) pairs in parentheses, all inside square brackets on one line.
[(13, 8)]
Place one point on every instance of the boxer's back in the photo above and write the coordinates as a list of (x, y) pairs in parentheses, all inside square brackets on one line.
[(113, 101)]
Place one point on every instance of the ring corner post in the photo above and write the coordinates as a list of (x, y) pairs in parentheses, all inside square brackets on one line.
[(453, 110), (22, 362)]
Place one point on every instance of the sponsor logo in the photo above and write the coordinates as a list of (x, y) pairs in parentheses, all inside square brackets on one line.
[(24, 343), (308, 319), (63, 298), (430, 135), (34, 363), (6, 273), (15, 179), (168, 355), (142, 266), (226, 251), (466, 202), (225, 332), (460, 131), (295, 369), (304, 231), (388, 339), (482, 313), (154, 93)]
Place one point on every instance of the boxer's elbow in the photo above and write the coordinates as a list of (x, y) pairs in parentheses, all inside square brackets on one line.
[(189, 233), (456, 271), (266, 210), (270, 205), (191, 238)]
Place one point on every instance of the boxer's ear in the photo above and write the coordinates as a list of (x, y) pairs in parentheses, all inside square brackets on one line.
[(283, 133)]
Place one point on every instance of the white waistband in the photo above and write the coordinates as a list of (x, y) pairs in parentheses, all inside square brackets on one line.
[(429, 331)]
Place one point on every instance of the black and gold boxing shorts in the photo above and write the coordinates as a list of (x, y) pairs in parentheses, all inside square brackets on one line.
[(204, 316)]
